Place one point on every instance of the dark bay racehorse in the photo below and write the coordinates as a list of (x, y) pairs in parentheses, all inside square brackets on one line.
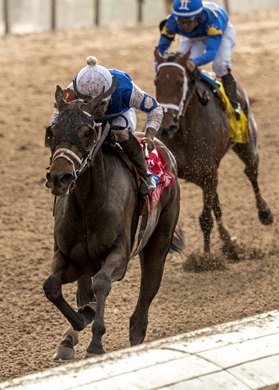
[(196, 129), (96, 218)]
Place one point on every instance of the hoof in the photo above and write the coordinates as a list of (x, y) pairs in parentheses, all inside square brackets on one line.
[(90, 354), (231, 250), (266, 217), (94, 349), (63, 354)]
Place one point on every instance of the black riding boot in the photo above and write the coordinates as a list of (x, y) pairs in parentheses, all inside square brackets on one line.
[(229, 84), (134, 151)]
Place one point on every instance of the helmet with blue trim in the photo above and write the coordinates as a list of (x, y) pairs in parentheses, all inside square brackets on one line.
[(187, 8)]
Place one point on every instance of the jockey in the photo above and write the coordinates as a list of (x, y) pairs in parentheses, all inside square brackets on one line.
[(121, 97), (205, 29)]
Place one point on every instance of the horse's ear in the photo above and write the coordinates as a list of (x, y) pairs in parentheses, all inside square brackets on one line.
[(184, 57), (58, 93), (60, 102), (159, 59)]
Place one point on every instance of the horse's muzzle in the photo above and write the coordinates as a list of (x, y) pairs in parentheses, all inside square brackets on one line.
[(169, 124), (59, 184), (168, 132)]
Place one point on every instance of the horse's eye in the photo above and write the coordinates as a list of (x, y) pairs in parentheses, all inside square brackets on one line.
[(85, 132), (88, 134)]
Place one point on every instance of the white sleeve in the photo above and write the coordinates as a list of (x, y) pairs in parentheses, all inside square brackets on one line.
[(146, 103)]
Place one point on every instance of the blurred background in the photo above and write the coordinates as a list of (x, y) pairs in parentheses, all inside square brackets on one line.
[(24, 16)]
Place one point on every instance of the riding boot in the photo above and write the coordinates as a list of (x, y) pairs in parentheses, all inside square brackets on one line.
[(134, 151), (229, 84)]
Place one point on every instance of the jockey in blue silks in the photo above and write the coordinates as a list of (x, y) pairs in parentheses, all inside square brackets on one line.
[(204, 28), (121, 97)]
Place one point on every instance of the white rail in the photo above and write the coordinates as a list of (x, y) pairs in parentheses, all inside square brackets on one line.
[(238, 355)]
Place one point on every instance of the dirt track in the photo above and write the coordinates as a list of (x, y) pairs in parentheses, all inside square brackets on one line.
[(30, 68)]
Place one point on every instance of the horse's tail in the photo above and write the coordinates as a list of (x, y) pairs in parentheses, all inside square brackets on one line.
[(178, 240)]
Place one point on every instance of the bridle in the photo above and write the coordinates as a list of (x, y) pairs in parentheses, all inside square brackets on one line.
[(181, 108), (89, 154)]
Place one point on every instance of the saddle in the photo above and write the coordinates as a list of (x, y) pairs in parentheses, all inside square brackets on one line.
[(159, 169), (238, 128), (164, 179)]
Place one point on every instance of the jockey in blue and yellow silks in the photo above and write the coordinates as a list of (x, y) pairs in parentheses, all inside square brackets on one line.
[(205, 28)]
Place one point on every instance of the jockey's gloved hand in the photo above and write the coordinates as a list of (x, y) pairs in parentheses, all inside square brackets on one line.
[(190, 65), (150, 133), (148, 138)]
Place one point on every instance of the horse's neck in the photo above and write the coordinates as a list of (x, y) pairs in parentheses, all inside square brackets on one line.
[(191, 99), (197, 90), (92, 184)]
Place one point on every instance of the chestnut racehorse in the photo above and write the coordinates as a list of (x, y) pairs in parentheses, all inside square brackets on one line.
[(195, 128)]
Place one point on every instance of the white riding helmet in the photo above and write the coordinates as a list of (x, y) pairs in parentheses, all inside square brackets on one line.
[(93, 78)]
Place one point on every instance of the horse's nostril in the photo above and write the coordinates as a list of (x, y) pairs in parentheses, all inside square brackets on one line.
[(48, 179), (66, 178), (173, 129), (57, 180)]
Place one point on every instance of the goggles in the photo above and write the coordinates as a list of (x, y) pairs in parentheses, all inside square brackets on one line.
[(187, 21)]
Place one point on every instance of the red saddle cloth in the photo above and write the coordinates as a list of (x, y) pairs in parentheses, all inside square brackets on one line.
[(159, 167)]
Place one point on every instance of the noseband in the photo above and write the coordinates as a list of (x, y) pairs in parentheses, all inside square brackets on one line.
[(178, 108), (184, 102), (71, 157), (86, 161)]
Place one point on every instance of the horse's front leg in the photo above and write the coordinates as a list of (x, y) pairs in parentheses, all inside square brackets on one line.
[(114, 269), (85, 296), (62, 272)]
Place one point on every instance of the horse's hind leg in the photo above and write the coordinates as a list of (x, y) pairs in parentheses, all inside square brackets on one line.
[(206, 220), (152, 265), (85, 296), (249, 155), (229, 248), (152, 260)]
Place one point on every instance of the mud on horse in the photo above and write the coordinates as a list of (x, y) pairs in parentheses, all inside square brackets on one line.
[(96, 218), (196, 129)]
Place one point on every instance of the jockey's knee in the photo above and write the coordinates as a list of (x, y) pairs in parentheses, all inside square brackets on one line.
[(120, 135), (221, 69)]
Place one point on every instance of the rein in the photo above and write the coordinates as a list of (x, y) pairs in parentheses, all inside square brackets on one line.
[(181, 108)]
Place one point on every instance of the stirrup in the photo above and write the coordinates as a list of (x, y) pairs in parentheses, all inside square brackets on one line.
[(237, 111), (147, 185)]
